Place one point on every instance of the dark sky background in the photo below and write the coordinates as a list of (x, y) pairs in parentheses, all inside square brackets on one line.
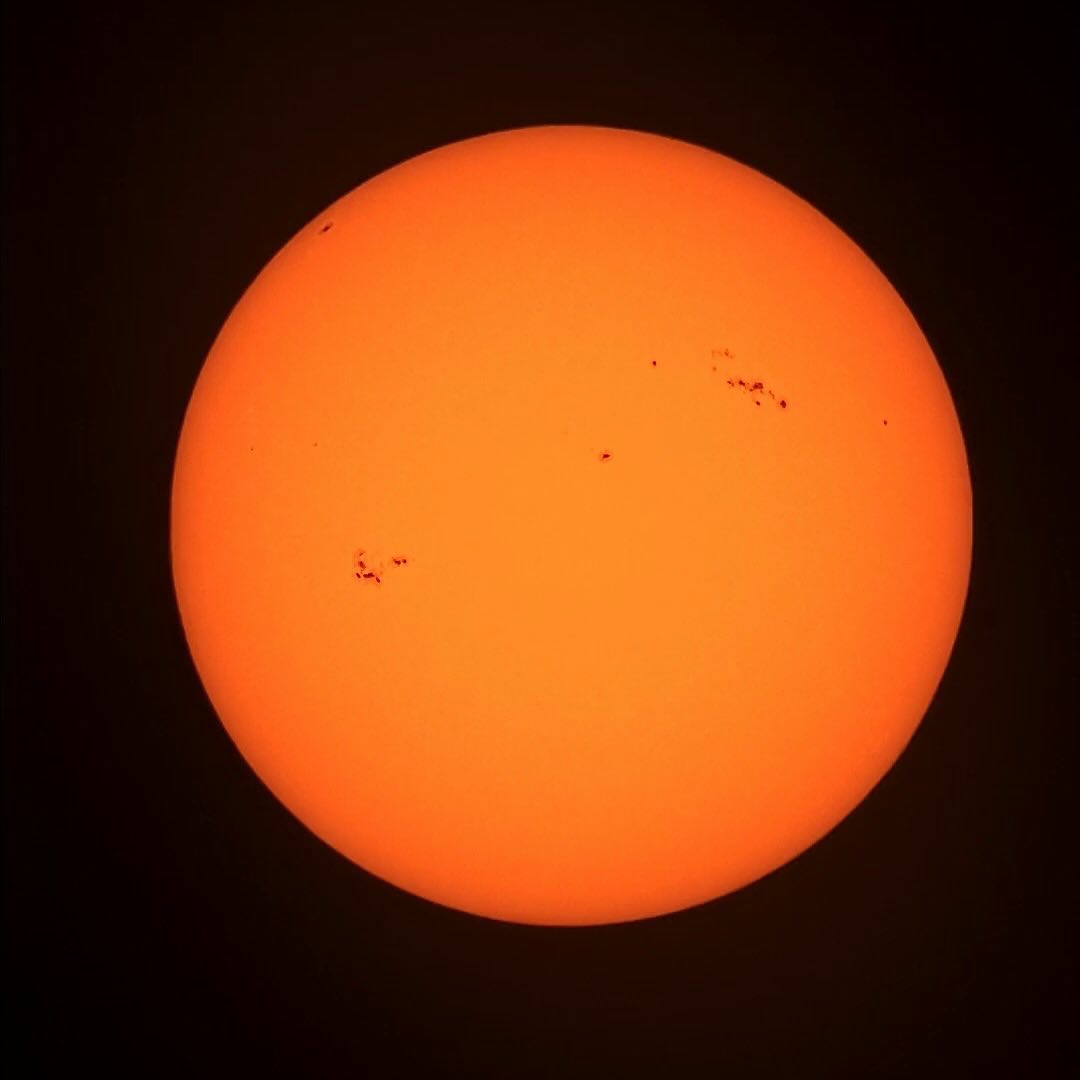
[(164, 914)]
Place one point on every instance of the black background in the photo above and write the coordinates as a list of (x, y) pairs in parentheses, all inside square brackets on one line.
[(164, 914)]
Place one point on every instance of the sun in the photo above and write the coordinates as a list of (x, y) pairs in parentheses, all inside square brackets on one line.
[(571, 525)]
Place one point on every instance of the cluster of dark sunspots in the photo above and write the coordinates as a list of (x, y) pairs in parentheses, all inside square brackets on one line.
[(755, 387), (367, 569)]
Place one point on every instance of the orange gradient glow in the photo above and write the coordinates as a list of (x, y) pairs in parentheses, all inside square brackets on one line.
[(665, 508)]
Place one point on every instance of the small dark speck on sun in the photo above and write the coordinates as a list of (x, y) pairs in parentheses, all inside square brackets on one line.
[(885, 422), (327, 227), (653, 363), (605, 455)]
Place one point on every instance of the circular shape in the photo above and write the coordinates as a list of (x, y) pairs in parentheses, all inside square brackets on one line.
[(570, 525)]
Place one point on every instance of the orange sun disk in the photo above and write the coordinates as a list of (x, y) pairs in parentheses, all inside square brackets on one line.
[(571, 525)]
